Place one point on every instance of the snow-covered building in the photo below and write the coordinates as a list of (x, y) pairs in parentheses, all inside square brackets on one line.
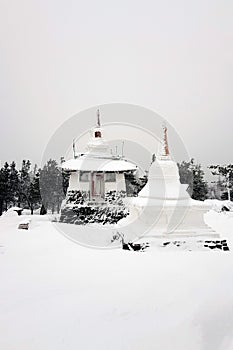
[(97, 180)]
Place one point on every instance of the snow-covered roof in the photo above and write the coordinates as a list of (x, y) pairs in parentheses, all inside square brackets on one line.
[(85, 163), (98, 157), (15, 209)]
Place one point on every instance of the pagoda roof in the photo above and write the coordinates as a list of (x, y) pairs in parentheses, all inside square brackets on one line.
[(88, 163)]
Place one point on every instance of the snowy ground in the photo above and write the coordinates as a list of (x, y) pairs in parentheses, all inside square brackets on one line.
[(55, 294)]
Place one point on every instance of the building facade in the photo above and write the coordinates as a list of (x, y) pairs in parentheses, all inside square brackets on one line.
[(97, 183)]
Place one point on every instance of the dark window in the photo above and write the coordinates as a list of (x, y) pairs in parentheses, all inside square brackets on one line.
[(110, 177), (84, 176)]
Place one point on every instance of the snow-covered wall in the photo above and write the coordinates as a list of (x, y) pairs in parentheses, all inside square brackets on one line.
[(73, 182), (76, 184)]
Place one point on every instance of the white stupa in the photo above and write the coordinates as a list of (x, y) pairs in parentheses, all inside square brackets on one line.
[(164, 208)]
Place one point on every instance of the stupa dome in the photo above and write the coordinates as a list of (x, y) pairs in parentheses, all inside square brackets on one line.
[(164, 182), (164, 179)]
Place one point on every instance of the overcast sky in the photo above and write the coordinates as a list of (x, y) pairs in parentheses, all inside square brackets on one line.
[(58, 57)]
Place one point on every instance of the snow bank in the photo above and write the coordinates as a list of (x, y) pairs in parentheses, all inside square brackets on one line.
[(55, 294), (218, 205), (10, 213)]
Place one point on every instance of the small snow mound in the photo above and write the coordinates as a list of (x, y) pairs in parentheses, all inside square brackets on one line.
[(13, 211), (218, 205), (25, 221), (10, 213)]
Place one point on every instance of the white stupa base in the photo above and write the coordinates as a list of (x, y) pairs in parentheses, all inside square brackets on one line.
[(209, 234), (167, 220), (164, 208), (184, 242)]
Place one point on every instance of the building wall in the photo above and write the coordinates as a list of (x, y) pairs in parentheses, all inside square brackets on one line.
[(110, 186), (83, 186), (73, 182), (120, 182), (118, 185)]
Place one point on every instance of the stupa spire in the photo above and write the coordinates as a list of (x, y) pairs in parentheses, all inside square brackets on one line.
[(97, 129), (164, 150), (98, 118), (165, 142)]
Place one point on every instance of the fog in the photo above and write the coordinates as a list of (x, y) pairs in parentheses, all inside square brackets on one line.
[(61, 57)]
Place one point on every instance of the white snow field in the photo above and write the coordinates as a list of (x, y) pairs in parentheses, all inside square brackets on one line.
[(55, 294)]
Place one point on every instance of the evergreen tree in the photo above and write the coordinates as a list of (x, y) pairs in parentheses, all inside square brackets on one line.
[(200, 188), (193, 175), (13, 184), (134, 184), (186, 173), (4, 187), (226, 173), (227, 195), (24, 184), (216, 189), (65, 177), (2, 190), (43, 211), (51, 185), (34, 198)]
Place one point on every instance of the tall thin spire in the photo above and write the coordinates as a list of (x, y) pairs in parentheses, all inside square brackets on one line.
[(164, 153), (165, 142), (74, 150), (98, 118), (97, 132)]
